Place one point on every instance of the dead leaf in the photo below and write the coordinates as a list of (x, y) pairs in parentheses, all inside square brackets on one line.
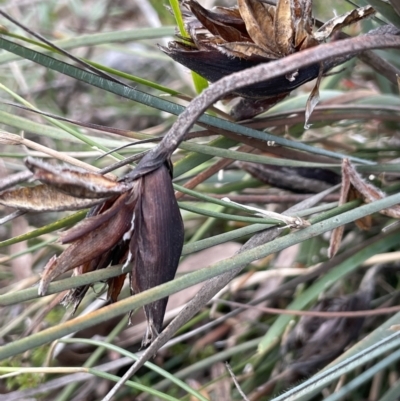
[(342, 21), (71, 181), (337, 233), (91, 244), (369, 192), (104, 213), (364, 223), (244, 50), (284, 27), (313, 99), (259, 21), (217, 24), (43, 198), (355, 187), (303, 23)]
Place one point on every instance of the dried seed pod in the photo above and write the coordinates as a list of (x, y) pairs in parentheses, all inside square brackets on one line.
[(156, 243), (74, 182)]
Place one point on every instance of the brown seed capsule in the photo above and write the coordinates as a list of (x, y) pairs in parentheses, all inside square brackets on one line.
[(142, 228), (156, 242)]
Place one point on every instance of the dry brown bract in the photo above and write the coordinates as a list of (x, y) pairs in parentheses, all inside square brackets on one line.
[(355, 187), (227, 40), (137, 224)]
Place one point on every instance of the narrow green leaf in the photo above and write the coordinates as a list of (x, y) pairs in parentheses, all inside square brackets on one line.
[(199, 82), (158, 103), (97, 38), (134, 357), (161, 291), (226, 216), (65, 222)]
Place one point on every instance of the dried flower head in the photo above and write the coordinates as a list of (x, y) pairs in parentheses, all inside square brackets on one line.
[(135, 223), (227, 40)]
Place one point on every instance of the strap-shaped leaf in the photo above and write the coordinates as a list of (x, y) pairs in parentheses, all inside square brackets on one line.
[(153, 101)]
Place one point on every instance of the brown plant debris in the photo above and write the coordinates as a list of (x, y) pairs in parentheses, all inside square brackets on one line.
[(316, 341), (139, 225), (227, 40), (355, 187), (294, 179)]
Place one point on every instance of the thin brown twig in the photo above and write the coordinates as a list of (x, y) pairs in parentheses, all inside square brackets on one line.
[(236, 382), (325, 315), (260, 73)]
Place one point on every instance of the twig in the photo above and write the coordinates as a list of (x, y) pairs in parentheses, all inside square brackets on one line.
[(324, 315), (260, 73), (236, 382)]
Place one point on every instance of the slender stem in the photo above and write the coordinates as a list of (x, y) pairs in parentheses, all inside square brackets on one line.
[(260, 73)]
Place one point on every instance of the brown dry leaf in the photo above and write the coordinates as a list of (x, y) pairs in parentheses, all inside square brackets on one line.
[(71, 181), (43, 198), (342, 21), (232, 13), (303, 23), (369, 192), (115, 255), (313, 99), (366, 222), (259, 21), (115, 285), (284, 27), (74, 297), (244, 50), (91, 244), (216, 23), (100, 215), (355, 187), (337, 233)]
